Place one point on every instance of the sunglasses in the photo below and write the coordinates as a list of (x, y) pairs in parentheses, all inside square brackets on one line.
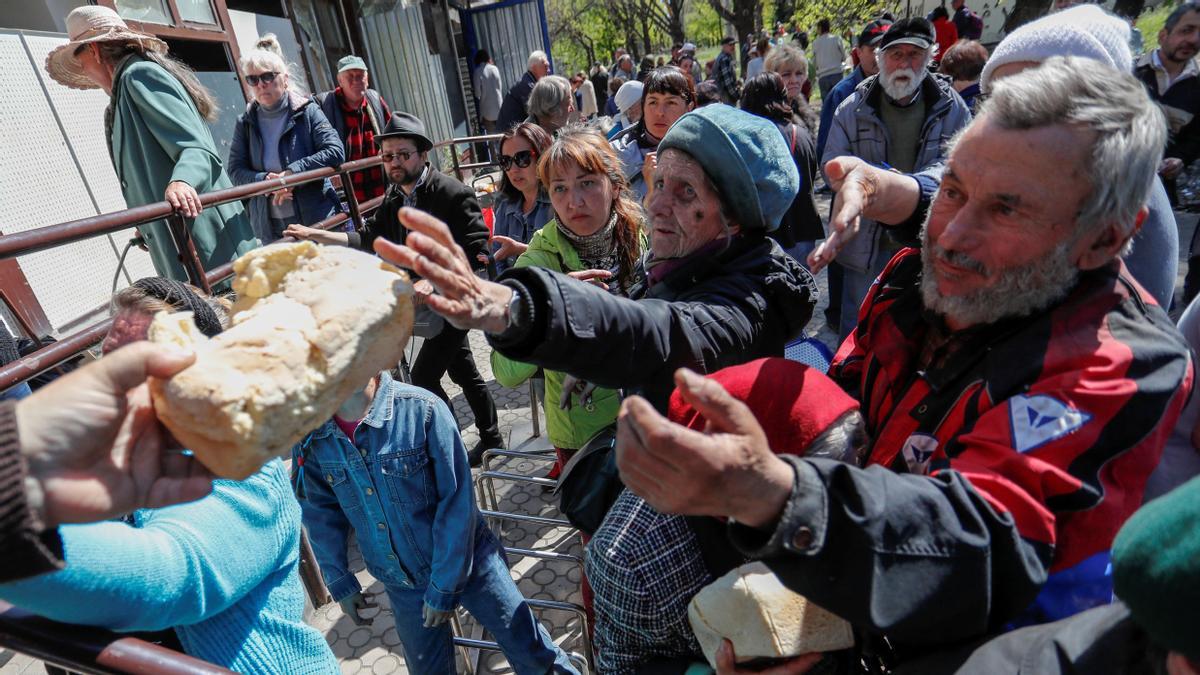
[(522, 159), (388, 157), (265, 78)]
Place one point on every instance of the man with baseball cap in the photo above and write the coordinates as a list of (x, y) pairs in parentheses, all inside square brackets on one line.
[(358, 113), (901, 119)]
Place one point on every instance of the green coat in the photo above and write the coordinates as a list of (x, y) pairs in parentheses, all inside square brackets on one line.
[(567, 429), (157, 137)]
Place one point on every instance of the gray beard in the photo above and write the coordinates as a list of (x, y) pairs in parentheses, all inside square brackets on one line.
[(1014, 292), (899, 92)]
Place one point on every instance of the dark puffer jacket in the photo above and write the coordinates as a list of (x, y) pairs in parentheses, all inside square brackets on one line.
[(714, 311)]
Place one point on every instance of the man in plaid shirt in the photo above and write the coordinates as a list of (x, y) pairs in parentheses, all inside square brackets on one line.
[(724, 74), (358, 113)]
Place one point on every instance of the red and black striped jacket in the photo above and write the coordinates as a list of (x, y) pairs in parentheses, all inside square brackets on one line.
[(999, 471)]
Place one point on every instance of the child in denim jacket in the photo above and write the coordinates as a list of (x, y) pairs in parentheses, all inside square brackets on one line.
[(391, 465)]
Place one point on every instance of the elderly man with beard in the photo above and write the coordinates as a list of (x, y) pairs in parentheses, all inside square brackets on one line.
[(899, 119), (1017, 383)]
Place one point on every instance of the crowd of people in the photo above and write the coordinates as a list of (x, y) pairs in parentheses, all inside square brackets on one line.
[(997, 472)]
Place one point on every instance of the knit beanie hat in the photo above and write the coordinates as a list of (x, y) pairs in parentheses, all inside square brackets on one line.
[(794, 403), (628, 94), (1156, 568), (745, 156), (1086, 31), (183, 299)]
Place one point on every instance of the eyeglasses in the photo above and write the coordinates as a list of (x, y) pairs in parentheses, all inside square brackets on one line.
[(522, 159), (265, 78), (389, 157)]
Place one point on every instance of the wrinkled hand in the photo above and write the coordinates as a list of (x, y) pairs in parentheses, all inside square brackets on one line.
[(727, 663), (94, 445), (336, 180), (509, 247), (465, 300), (422, 290), (1170, 167), (183, 198), (596, 277), (726, 470), (300, 232), (854, 183), (574, 385), (353, 604), (435, 617)]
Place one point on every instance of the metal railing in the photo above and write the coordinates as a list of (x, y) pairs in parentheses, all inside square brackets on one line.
[(43, 238), (87, 650)]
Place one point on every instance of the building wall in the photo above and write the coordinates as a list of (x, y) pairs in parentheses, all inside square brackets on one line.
[(406, 69)]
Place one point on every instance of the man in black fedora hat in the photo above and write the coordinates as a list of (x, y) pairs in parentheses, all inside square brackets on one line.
[(404, 148)]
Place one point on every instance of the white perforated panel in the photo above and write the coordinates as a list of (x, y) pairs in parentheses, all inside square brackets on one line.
[(42, 185)]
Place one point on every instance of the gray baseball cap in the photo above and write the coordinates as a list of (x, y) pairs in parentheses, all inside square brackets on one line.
[(351, 62)]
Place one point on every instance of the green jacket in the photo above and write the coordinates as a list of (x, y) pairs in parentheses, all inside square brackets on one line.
[(568, 429), (157, 136)]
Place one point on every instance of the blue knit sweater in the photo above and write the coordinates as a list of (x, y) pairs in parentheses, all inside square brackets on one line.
[(222, 571)]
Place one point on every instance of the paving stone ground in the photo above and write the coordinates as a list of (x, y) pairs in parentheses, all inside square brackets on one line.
[(376, 648)]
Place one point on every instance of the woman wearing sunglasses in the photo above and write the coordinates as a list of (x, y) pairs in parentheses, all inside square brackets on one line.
[(596, 235), (281, 133), (521, 207)]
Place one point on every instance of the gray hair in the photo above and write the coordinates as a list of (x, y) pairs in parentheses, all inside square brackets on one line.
[(548, 95), (784, 56), (846, 440), (1130, 130), (537, 57), (267, 55)]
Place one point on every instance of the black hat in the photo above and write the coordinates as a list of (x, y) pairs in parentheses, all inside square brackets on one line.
[(873, 33), (912, 31), (404, 125), (729, 41)]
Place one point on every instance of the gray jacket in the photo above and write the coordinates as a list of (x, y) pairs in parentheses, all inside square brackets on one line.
[(858, 130)]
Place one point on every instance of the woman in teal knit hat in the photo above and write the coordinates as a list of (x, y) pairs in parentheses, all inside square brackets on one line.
[(220, 574)]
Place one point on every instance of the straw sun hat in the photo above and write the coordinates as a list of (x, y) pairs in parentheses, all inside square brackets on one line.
[(92, 24)]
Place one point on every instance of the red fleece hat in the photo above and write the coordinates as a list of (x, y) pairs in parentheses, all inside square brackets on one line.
[(793, 402)]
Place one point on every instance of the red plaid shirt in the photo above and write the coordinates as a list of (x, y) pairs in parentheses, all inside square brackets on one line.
[(360, 144)]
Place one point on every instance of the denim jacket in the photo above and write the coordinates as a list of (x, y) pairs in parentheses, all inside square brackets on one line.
[(405, 489)]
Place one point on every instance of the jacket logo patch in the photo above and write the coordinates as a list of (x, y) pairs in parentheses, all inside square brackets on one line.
[(1036, 420), (918, 450)]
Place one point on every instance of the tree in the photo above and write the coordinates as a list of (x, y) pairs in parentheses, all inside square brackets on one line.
[(844, 15), (745, 16)]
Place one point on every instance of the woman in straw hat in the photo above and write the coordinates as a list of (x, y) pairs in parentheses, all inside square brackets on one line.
[(157, 139)]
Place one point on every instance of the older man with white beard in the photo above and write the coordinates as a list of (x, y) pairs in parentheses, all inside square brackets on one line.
[(899, 119), (1017, 383)]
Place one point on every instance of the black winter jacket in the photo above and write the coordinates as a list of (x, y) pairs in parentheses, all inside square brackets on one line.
[(718, 310), (440, 196)]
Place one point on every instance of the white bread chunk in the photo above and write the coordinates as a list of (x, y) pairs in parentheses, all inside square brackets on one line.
[(751, 608), (310, 326)]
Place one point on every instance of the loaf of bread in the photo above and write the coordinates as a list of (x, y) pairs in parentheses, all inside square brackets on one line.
[(763, 619), (311, 325)]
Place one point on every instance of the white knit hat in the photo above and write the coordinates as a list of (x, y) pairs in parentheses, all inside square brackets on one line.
[(628, 94), (1086, 31)]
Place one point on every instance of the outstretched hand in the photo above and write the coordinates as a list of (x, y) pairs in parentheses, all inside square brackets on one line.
[(853, 182), (465, 300), (95, 448), (726, 470)]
